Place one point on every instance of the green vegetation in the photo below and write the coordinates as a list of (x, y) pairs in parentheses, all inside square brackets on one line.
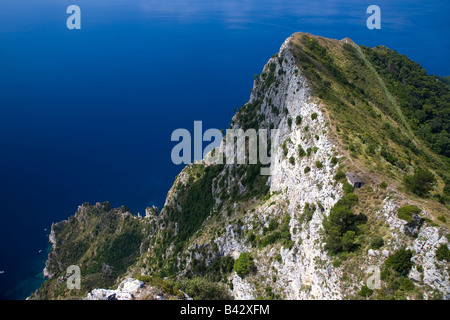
[(244, 265), (308, 212), (220, 269), (406, 213), (285, 149), (399, 263), (196, 202), (443, 253), (319, 164), (334, 161), (202, 289), (301, 152), (395, 276), (279, 258), (365, 291), (165, 286), (248, 116), (277, 233), (347, 187), (420, 183), (342, 226), (377, 243), (424, 101), (102, 240)]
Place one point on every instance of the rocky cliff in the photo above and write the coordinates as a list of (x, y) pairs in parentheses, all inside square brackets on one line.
[(302, 232)]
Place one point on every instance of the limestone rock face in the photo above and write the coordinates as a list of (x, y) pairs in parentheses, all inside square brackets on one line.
[(128, 289), (132, 289)]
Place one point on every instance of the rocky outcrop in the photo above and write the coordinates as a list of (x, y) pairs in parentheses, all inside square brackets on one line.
[(128, 289)]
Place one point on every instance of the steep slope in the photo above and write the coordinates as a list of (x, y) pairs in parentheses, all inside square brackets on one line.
[(101, 240), (303, 232)]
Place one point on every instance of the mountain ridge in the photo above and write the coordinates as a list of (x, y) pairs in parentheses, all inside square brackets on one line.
[(277, 236)]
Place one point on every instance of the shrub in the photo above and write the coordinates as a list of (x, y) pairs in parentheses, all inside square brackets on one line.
[(203, 289), (383, 185), (377, 243), (279, 258), (251, 238), (308, 212), (273, 224), (289, 121), (244, 265), (340, 175), (348, 241), (301, 152), (298, 120), (292, 160), (406, 212), (165, 286), (285, 233), (442, 253), (420, 183), (341, 225), (314, 116), (365, 291), (347, 187), (442, 218), (334, 161), (406, 284), (307, 169), (222, 265), (398, 262), (319, 164)]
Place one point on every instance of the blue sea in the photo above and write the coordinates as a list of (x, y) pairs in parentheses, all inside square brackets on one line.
[(87, 115)]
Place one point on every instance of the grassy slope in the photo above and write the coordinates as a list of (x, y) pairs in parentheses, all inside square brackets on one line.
[(94, 237), (368, 123)]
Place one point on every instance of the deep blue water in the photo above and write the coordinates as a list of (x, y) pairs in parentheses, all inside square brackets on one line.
[(86, 115)]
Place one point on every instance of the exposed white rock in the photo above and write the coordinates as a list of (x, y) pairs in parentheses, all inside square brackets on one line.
[(127, 290), (242, 290)]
